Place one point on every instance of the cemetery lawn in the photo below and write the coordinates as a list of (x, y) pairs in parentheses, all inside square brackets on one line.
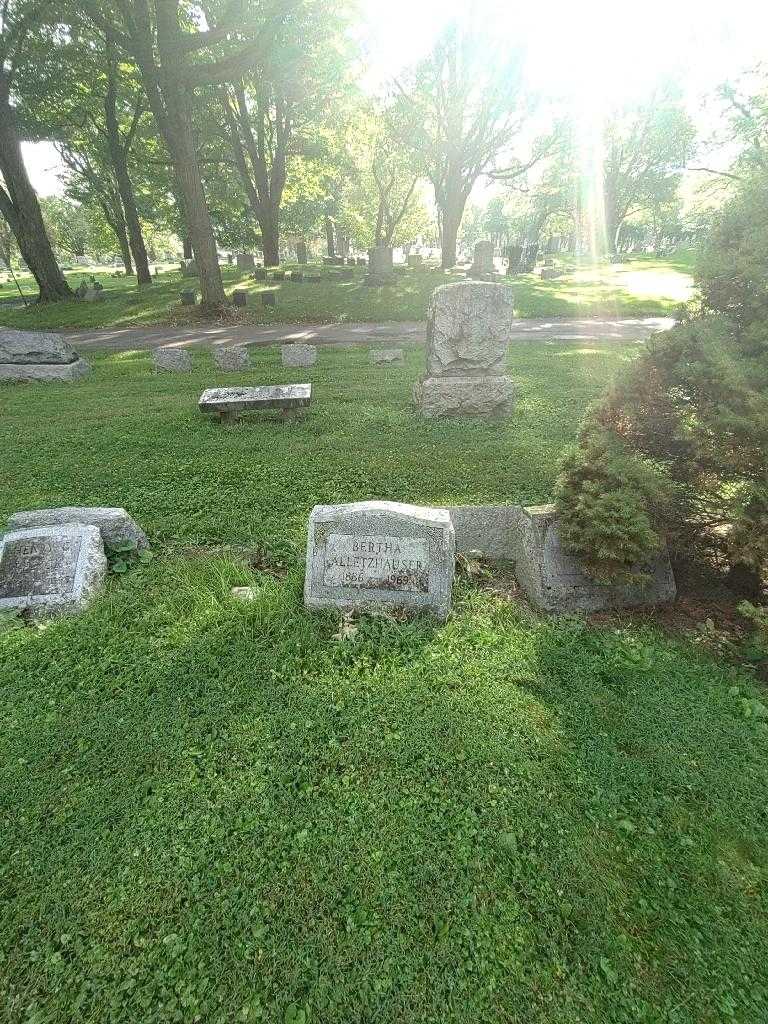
[(218, 811), (641, 287)]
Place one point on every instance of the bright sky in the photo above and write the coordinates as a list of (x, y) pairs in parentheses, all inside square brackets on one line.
[(582, 51)]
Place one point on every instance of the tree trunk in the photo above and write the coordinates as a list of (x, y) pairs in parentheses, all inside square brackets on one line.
[(451, 222), (270, 237), (329, 237), (19, 206)]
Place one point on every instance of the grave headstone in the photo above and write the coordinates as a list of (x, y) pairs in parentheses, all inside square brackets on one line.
[(387, 357), (245, 261), (259, 274), (415, 260), (380, 266), (114, 524), (483, 258), (298, 355), (51, 570), (296, 277), (189, 268), (230, 403), (301, 253), (514, 255), (38, 356), (188, 297), (279, 275), (239, 297), (268, 299), (556, 581), (468, 330), (173, 360), (550, 273), (380, 554), (235, 357)]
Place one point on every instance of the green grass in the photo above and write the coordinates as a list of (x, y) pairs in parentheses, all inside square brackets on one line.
[(641, 287), (219, 812)]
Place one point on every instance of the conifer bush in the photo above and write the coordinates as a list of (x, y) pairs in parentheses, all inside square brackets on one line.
[(677, 451)]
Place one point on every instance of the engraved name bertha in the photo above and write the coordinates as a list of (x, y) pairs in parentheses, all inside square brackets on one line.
[(377, 562)]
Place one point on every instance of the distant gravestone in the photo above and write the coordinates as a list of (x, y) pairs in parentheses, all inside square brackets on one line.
[(239, 297), (468, 330), (380, 266), (172, 360), (259, 274), (298, 355), (231, 403), (278, 275), (514, 255), (375, 554), (189, 268), (483, 258), (387, 357), (188, 297), (51, 570), (232, 358), (415, 260), (245, 261), (38, 356), (556, 581), (268, 299), (114, 524), (301, 253)]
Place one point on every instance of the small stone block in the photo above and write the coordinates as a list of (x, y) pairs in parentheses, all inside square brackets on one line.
[(556, 581), (239, 297), (235, 357), (298, 355), (233, 401), (268, 299), (387, 357), (464, 396), (34, 347), (47, 372), (173, 360), (188, 298), (374, 554), (51, 570), (115, 525), (244, 593), (490, 529)]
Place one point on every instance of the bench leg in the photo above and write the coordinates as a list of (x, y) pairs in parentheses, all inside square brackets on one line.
[(227, 416)]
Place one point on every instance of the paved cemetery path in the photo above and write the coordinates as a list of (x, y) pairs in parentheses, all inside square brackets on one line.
[(122, 339)]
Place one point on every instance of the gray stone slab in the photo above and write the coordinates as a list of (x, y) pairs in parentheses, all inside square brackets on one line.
[(235, 357), (114, 524), (232, 401), (51, 570), (172, 360), (491, 530), (373, 554), (298, 355), (34, 347), (556, 581), (45, 372), (387, 357), (464, 396), (469, 326)]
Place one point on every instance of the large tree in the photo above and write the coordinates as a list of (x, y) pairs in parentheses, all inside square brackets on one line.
[(178, 51), (645, 149), (25, 41), (467, 108), (271, 114)]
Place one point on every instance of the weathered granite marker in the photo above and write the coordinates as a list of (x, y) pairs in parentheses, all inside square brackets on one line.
[(172, 360), (38, 356), (380, 554), (115, 525), (51, 570), (230, 403), (236, 357), (298, 355), (556, 581), (387, 357)]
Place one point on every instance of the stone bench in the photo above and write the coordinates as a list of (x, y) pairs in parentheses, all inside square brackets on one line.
[(230, 403)]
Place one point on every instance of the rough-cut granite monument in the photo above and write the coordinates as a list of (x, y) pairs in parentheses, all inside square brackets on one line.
[(468, 330), (172, 360), (245, 261), (381, 269), (298, 355), (51, 570), (380, 554), (114, 524), (34, 355), (236, 357)]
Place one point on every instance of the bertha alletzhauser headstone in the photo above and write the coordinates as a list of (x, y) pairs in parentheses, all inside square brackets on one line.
[(38, 356), (373, 554), (51, 570), (468, 330)]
